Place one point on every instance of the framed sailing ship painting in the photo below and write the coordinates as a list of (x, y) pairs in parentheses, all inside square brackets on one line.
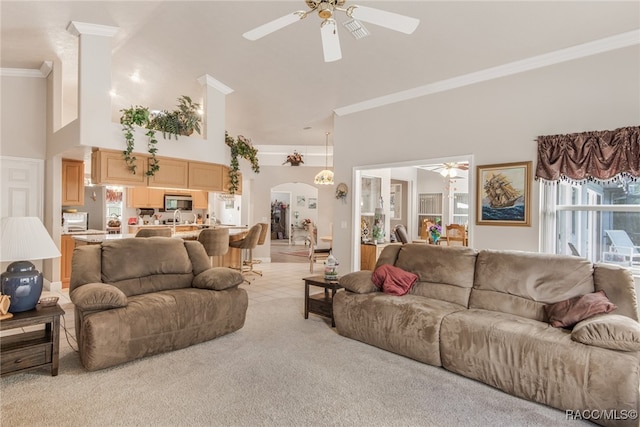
[(504, 194)]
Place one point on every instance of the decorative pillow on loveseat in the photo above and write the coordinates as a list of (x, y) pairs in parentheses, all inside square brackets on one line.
[(565, 314), (612, 331), (393, 280)]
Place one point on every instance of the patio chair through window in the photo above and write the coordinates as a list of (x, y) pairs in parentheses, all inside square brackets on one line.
[(622, 244)]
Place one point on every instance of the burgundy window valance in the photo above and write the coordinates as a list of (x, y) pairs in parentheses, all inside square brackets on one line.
[(598, 155)]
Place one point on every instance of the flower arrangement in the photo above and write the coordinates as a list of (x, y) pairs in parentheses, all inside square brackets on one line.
[(306, 222), (436, 231), (295, 159)]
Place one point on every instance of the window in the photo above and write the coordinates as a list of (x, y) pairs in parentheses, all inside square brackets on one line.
[(596, 220), (461, 208)]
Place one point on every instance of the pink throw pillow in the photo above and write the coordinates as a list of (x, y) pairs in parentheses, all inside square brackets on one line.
[(393, 280), (565, 314)]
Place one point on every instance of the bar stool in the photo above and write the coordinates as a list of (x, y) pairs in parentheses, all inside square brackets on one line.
[(215, 242), (151, 232), (261, 240), (246, 244)]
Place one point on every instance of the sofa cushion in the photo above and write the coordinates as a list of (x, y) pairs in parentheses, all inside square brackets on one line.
[(522, 283), (137, 266), (393, 280), (408, 325), (218, 279), (611, 331), (444, 273), (565, 314), (98, 296), (617, 282), (358, 282)]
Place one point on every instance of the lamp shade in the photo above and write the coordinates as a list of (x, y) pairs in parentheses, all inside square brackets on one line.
[(25, 238), (324, 177)]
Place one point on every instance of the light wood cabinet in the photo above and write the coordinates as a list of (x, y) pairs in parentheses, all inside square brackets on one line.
[(206, 176), (173, 173), (67, 244), (369, 255), (142, 197), (109, 167), (200, 199), (72, 182)]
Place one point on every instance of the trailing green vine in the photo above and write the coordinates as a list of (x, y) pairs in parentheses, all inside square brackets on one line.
[(240, 147), (136, 116)]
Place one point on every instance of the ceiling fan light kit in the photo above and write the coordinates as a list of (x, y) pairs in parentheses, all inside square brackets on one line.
[(325, 176), (329, 29)]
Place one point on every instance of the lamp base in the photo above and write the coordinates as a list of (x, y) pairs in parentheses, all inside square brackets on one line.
[(23, 283)]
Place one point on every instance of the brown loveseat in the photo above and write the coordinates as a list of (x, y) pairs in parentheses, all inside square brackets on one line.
[(481, 315), (138, 297)]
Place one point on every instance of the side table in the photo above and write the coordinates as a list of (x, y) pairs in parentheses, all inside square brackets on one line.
[(320, 303), (34, 349)]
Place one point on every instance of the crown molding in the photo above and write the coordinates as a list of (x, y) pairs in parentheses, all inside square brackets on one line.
[(607, 44), (207, 80), (77, 28), (40, 73)]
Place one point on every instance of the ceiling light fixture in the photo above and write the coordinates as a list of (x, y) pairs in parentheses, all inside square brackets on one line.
[(325, 176)]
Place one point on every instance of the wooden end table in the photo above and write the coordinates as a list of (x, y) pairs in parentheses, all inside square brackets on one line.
[(35, 349), (320, 303)]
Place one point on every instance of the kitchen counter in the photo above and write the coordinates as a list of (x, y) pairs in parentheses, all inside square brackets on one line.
[(86, 232), (95, 238)]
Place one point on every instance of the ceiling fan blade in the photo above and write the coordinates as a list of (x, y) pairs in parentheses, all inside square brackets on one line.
[(393, 21), (274, 25), (330, 41)]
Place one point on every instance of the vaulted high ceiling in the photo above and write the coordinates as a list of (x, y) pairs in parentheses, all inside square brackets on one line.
[(281, 83)]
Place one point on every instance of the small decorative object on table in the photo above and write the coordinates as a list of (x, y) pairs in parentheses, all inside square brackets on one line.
[(48, 301), (5, 302), (330, 268), (435, 231)]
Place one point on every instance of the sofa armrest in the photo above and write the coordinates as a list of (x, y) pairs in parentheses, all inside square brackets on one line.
[(98, 296), (217, 279), (359, 282)]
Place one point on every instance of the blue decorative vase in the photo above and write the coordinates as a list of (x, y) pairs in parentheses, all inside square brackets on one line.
[(435, 238), (23, 283)]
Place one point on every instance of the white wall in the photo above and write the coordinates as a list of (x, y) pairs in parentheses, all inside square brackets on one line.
[(497, 121)]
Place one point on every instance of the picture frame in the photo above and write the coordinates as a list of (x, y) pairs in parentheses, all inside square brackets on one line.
[(313, 203), (503, 194)]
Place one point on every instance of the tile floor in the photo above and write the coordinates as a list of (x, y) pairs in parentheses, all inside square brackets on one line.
[(279, 280)]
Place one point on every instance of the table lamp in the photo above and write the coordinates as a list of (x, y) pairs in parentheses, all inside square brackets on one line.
[(24, 239)]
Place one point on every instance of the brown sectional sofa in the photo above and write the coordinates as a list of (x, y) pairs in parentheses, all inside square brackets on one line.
[(138, 297), (481, 314)]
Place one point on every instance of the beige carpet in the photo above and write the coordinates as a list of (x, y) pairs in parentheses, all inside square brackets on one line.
[(279, 370)]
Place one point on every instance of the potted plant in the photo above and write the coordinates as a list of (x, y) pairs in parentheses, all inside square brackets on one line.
[(294, 159), (182, 121)]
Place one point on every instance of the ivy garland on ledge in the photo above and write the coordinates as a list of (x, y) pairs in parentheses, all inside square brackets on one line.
[(182, 121), (240, 147)]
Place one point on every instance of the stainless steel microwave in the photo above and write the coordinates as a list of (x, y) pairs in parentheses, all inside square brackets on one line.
[(173, 202)]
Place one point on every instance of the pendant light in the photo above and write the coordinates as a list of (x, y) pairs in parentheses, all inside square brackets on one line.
[(325, 177)]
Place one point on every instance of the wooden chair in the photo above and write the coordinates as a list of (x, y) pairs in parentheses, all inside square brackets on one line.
[(424, 229), (456, 233), (152, 232), (315, 253)]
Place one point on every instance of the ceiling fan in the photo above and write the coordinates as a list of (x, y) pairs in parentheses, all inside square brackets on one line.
[(448, 169), (329, 27)]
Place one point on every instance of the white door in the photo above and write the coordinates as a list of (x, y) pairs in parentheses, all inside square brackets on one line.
[(21, 187)]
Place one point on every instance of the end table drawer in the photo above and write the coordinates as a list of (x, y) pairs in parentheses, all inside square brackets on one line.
[(21, 359)]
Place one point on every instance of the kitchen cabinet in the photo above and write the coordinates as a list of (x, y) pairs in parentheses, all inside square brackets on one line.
[(72, 182), (66, 249), (109, 167), (206, 176), (173, 173), (200, 199), (142, 197)]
